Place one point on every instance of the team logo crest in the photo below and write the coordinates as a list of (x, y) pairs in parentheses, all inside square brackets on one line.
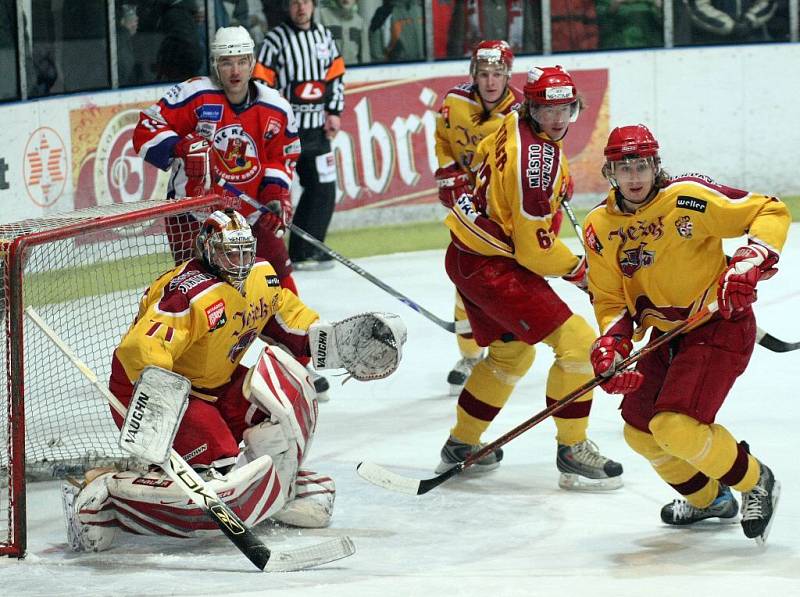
[(242, 344), (590, 237), (237, 154), (684, 226), (45, 166), (273, 128), (635, 259)]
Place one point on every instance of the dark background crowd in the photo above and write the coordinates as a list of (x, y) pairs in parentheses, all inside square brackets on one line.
[(67, 44)]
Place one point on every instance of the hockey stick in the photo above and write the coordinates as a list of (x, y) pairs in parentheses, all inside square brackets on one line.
[(378, 475), (196, 489), (456, 327), (766, 340)]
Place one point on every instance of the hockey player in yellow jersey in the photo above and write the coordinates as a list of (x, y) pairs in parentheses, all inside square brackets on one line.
[(469, 113), (248, 430), (655, 258), (503, 248)]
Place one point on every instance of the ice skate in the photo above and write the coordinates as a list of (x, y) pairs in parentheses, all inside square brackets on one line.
[(584, 468), (682, 513), (455, 451), (758, 506), (459, 374)]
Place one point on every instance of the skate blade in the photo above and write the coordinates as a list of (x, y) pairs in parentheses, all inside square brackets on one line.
[(573, 482), (475, 469), (761, 540)]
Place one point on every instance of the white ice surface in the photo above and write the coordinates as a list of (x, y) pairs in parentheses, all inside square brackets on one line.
[(510, 532)]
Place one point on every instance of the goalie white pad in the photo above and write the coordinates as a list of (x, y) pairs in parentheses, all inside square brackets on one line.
[(369, 345), (152, 504), (159, 401)]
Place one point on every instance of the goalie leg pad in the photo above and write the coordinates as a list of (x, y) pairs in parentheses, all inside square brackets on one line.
[(312, 506), (91, 524), (152, 504), (369, 345)]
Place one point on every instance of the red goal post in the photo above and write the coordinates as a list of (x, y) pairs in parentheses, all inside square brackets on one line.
[(83, 272)]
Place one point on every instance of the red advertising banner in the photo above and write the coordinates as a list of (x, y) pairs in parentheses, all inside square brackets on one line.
[(385, 150), (384, 153)]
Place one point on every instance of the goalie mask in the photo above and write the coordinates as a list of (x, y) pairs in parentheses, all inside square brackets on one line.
[(226, 246)]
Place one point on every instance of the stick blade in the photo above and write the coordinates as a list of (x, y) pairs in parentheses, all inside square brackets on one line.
[(772, 343), (377, 475), (309, 557)]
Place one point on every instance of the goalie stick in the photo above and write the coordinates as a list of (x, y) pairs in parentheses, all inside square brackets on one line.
[(764, 339), (455, 327), (193, 485), (382, 477)]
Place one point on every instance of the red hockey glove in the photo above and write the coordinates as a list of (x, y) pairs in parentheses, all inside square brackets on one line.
[(578, 275), (453, 182), (195, 151), (736, 289), (278, 201), (607, 353)]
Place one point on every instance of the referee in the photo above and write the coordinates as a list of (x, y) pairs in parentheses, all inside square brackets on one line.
[(301, 60)]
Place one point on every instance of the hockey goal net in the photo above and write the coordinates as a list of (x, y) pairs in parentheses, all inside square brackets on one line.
[(83, 273)]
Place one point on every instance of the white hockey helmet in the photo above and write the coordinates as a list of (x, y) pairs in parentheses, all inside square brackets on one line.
[(226, 246), (230, 41)]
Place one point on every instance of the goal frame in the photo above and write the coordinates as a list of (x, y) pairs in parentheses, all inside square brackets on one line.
[(85, 221)]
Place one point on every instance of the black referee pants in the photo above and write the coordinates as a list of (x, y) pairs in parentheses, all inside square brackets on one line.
[(315, 209)]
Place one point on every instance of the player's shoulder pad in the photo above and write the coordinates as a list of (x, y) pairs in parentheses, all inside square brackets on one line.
[(465, 90), (181, 93), (694, 184), (185, 286), (271, 97), (265, 270)]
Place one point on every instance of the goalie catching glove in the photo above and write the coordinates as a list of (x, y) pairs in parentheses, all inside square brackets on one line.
[(369, 345)]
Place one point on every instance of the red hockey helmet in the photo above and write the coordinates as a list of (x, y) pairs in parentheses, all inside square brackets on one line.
[(494, 52), (550, 85), (630, 141)]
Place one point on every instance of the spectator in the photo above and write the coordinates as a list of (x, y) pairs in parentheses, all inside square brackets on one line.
[(515, 21), (129, 68), (347, 26), (574, 25), (396, 32), (730, 21), (301, 60), (630, 23), (180, 55)]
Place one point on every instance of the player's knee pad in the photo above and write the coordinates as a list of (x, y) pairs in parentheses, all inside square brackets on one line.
[(571, 343), (681, 435), (270, 438), (509, 361), (643, 443)]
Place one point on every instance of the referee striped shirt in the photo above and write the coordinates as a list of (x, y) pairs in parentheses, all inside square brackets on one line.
[(306, 68)]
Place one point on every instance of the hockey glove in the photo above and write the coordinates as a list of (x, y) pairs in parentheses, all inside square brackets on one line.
[(578, 275), (736, 289), (453, 182), (368, 345), (278, 201), (607, 353), (196, 153)]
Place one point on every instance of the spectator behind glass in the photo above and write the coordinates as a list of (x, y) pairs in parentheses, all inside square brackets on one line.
[(347, 25), (730, 21), (396, 32), (574, 25), (476, 20), (180, 55), (84, 44), (8, 50), (129, 68), (630, 23)]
